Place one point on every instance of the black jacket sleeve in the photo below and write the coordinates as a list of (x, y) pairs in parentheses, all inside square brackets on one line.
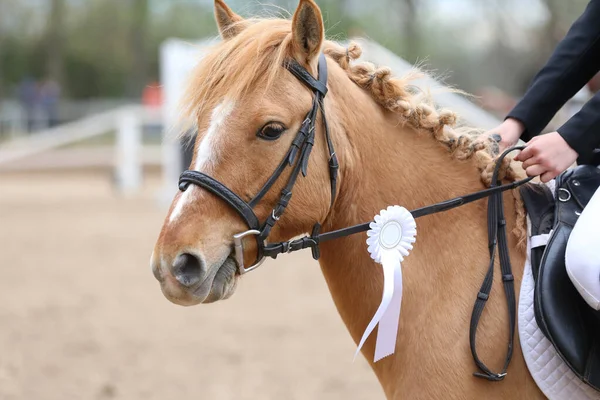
[(573, 63), (582, 131)]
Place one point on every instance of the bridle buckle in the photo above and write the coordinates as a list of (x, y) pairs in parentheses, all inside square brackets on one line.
[(289, 246), (238, 246), (275, 217)]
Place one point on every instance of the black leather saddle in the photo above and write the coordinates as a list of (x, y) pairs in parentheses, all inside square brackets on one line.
[(564, 317)]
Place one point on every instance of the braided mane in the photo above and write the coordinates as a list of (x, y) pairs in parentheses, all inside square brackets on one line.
[(417, 109)]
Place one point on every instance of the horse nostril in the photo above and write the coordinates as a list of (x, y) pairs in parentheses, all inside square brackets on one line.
[(187, 269)]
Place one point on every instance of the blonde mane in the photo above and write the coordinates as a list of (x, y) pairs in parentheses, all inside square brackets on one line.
[(233, 67)]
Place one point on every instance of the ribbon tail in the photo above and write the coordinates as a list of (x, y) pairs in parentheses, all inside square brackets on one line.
[(387, 332), (388, 292)]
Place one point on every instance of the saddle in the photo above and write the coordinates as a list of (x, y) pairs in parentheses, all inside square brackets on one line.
[(562, 314)]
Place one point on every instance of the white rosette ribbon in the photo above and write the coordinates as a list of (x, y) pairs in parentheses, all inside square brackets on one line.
[(390, 239)]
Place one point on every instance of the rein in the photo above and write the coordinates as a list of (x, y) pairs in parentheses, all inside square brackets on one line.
[(298, 155), (274, 249)]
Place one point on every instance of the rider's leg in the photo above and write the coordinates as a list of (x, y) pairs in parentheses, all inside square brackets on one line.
[(582, 257)]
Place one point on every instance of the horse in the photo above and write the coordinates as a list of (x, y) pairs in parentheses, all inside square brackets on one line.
[(393, 145)]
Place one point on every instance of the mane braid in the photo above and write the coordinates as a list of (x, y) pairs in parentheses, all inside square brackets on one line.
[(417, 109)]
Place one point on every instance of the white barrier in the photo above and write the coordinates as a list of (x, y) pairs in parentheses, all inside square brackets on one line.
[(126, 121), (177, 59), (466, 110), (128, 147)]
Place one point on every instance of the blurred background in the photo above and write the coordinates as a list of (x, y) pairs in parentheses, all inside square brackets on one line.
[(87, 170)]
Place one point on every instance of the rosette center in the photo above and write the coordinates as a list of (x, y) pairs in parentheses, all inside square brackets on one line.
[(390, 235)]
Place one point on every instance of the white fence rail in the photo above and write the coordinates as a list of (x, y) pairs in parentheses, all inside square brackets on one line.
[(468, 111), (14, 120), (126, 122)]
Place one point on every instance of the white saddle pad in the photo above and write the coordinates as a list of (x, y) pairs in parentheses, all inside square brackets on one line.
[(554, 378)]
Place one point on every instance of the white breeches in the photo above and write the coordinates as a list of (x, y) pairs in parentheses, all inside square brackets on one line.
[(582, 257)]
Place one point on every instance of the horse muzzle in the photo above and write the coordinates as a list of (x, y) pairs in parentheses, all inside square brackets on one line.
[(188, 281)]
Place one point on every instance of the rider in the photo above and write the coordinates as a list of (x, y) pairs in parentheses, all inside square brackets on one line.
[(574, 62)]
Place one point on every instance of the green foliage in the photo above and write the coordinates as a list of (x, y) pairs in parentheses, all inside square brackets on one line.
[(97, 48), (110, 48)]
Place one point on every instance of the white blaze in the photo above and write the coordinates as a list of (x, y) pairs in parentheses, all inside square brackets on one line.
[(207, 152), (207, 148)]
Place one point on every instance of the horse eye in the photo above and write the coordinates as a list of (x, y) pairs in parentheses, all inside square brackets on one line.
[(271, 131)]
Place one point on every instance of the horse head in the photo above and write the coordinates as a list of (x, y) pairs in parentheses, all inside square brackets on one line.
[(248, 109)]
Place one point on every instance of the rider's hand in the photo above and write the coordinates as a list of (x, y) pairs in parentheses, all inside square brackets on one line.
[(547, 156), (507, 133)]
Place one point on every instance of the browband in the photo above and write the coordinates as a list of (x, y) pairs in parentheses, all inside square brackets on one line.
[(320, 85)]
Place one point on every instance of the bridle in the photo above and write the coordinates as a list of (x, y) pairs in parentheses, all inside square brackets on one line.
[(298, 153), (297, 157)]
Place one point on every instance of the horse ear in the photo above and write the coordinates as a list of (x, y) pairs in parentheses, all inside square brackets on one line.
[(307, 30), (229, 23)]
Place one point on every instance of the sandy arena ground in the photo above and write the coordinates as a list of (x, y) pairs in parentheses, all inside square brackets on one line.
[(81, 316)]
